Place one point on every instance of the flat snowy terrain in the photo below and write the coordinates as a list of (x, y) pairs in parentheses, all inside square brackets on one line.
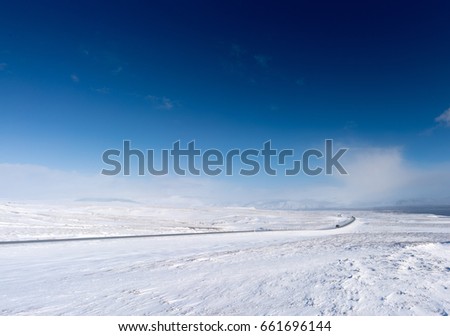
[(286, 263)]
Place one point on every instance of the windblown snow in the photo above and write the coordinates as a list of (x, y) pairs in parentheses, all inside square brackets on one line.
[(285, 263)]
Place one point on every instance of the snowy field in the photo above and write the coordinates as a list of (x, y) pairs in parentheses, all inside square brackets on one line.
[(287, 263)]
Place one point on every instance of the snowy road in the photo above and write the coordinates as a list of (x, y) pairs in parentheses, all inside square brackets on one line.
[(340, 225), (382, 264)]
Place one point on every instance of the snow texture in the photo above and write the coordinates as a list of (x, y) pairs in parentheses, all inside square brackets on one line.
[(381, 264)]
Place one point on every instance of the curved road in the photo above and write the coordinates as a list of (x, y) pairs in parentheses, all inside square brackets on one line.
[(60, 240)]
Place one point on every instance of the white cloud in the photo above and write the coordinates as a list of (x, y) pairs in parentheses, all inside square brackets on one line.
[(236, 50), (117, 70), (74, 78), (444, 118), (262, 60), (33, 182), (377, 176), (162, 103), (300, 82), (103, 90)]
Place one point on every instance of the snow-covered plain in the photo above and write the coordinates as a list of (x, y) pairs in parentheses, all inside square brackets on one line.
[(381, 264)]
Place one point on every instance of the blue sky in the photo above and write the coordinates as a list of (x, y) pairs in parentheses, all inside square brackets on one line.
[(77, 78)]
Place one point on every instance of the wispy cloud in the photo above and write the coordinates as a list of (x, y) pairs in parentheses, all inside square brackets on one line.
[(103, 90), (117, 70), (3, 66), (34, 182), (236, 50), (377, 176), (262, 60), (444, 118), (300, 81), (74, 78), (162, 103), (350, 125)]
